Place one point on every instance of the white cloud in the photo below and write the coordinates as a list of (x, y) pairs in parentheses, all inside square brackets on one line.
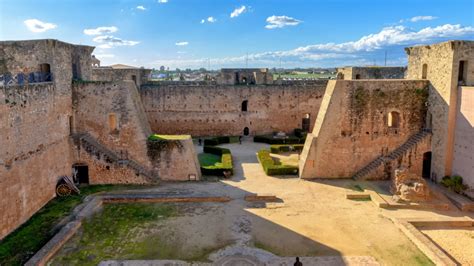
[(238, 11), (357, 52), (203, 21), (182, 43), (281, 21), (162, 1), (108, 41), (36, 25), (141, 8), (420, 18), (211, 19), (101, 30)]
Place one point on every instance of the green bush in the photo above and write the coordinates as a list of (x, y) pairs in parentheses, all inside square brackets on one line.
[(454, 183), (286, 148), (216, 141), (270, 140), (271, 168), (219, 168)]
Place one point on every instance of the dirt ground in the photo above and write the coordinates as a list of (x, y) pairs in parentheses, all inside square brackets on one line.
[(313, 218), (458, 243)]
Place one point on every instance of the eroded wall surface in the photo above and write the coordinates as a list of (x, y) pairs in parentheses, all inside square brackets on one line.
[(204, 110), (463, 163), (352, 127), (111, 112), (35, 149)]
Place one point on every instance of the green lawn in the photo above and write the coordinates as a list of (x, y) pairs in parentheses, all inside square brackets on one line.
[(24, 242), (209, 159)]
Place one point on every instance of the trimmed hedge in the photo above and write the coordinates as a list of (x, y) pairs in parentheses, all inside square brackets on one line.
[(216, 141), (271, 168), (270, 140), (286, 148), (225, 165)]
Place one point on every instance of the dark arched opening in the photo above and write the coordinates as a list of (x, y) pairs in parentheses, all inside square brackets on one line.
[(81, 173), (246, 131), (305, 124), (358, 76), (244, 106), (426, 172)]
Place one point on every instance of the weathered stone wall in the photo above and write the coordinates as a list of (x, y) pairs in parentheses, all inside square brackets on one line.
[(203, 110), (352, 127), (112, 113), (35, 149), (350, 73), (463, 162), (112, 74), (442, 66), (26, 56), (174, 160)]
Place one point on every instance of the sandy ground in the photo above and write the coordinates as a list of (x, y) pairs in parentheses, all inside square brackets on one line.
[(313, 218), (458, 243)]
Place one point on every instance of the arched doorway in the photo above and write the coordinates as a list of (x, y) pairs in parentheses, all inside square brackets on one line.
[(246, 131), (82, 173), (426, 172)]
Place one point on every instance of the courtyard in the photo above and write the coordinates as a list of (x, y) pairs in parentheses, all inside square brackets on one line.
[(309, 219)]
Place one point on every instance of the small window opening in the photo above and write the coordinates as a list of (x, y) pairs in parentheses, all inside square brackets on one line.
[(462, 74), (244, 106), (424, 72), (134, 78), (394, 119), (358, 76), (112, 122), (305, 125), (45, 73)]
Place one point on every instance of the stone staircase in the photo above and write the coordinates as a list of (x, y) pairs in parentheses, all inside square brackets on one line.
[(410, 143), (92, 146)]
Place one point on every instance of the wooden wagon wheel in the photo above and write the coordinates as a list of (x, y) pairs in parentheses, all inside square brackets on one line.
[(63, 190)]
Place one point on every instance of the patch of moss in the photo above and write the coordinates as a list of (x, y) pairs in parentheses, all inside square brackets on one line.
[(23, 243), (168, 137)]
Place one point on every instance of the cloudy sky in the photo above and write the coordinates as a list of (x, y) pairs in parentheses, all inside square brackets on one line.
[(230, 33)]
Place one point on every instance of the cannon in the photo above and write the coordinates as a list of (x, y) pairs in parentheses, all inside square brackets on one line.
[(66, 187)]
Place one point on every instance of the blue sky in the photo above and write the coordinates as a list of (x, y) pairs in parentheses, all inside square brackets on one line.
[(192, 33)]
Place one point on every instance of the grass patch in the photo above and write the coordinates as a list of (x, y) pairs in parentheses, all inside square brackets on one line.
[(210, 165), (113, 234), (209, 159), (155, 137), (23, 243)]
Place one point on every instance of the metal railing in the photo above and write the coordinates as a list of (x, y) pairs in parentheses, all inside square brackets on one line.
[(8, 79)]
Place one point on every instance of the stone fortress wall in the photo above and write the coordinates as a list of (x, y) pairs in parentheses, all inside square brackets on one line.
[(207, 110), (449, 112), (360, 121), (35, 112), (101, 120), (375, 72)]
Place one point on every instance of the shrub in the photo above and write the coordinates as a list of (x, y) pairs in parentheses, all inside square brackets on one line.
[(286, 148), (453, 183), (225, 164), (216, 141), (271, 168)]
